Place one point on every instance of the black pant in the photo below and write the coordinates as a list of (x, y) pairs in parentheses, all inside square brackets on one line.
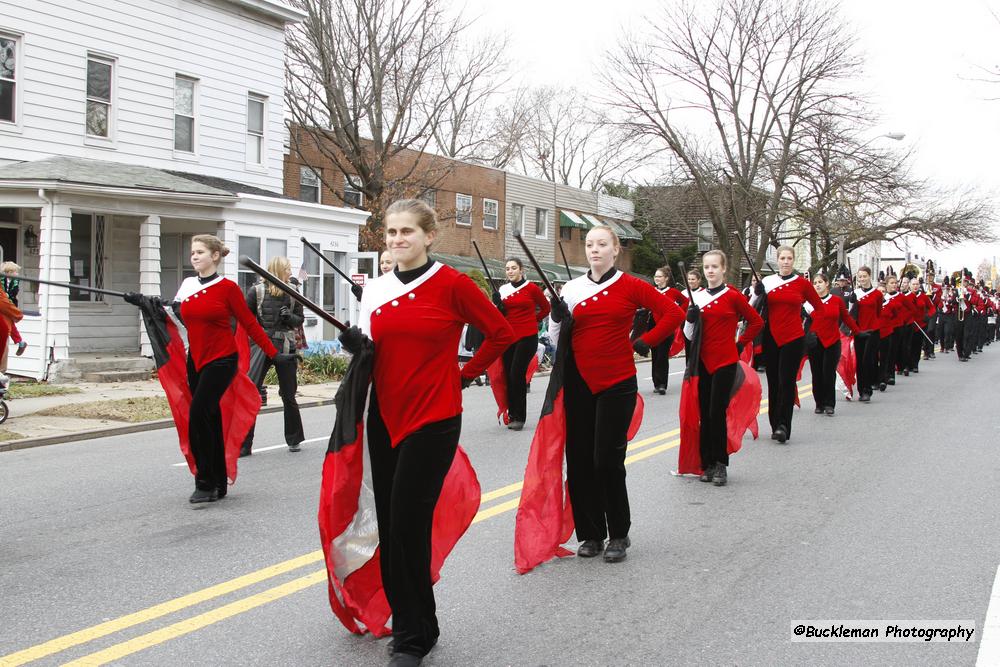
[(918, 344), (901, 356), (288, 384), (515, 366), (407, 481), (823, 363), (960, 333), (886, 357), (205, 420), (866, 348), (714, 391), (782, 369), (596, 432), (661, 363), (946, 331)]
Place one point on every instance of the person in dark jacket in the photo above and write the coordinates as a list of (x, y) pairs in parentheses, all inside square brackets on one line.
[(280, 317)]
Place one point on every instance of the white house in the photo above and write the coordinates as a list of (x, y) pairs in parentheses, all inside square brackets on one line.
[(126, 128)]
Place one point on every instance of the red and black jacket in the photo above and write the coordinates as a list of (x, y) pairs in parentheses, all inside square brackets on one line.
[(721, 310), (785, 296), (525, 307), (827, 319)]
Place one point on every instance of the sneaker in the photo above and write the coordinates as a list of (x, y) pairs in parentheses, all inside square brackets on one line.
[(221, 491), (780, 434), (829, 412), (865, 398), (405, 660), (204, 496), (883, 385), (818, 410), (294, 448), (590, 548), (516, 426), (21, 347), (706, 474), (914, 370), (615, 551), (719, 476)]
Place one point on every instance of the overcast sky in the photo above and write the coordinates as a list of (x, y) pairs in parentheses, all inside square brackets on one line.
[(920, 58)]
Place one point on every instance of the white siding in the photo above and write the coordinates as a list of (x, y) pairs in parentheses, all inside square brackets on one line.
[(231, 52), (615, 207), (532, 193)]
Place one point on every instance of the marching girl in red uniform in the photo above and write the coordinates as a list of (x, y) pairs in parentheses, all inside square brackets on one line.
[(599, 389), (720, 307), (866, 309), (664, 283), (894, 310), (925, 311), (206, 304), (784, 337), (415, 315), (824, 354), (523, 304)]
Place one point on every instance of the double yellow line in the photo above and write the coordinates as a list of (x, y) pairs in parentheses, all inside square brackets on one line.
[(636, 451)]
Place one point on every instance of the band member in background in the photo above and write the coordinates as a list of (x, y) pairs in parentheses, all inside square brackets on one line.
[(866, 308), (823, 343), (600, 387), (784, 346), (894, 311), (523, 304), (694, 280), (386, 263), (664, 282), (415, 316), (934, 292), (925, 310)]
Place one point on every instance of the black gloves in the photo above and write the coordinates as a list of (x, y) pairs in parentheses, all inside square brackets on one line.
[(560, 311), (284, 314), (739, 348), (467, 381), (758, 289), (640, 347), (353, 340), (692, 314), (357, 291), (137, 299), (853, 298)]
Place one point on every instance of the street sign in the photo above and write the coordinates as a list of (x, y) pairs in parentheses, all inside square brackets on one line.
[(359, 279)]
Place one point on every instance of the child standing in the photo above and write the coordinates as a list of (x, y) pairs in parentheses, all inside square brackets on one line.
[(12, 286)]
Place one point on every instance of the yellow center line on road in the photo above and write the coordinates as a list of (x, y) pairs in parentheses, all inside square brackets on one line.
[(184, 627)]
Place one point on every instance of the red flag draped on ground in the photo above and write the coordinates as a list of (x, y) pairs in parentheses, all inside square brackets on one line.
[(741, 415), (239, 405), (544, 514), (498, 383), (848, 365), (347, 522)]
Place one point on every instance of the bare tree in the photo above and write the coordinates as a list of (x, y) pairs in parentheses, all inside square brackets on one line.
[(726, 90), (368, 82)]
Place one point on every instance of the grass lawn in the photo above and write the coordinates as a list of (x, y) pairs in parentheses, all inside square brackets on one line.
[(144, 409), (34, 389), (9, 435)]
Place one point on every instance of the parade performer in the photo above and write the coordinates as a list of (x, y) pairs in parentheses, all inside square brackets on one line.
[(672, 344), (924, 311), (824, 344), (946, 316), (904, 333), (866, 308), (523, 304), (412, 319), (280, 316), (590, 411), (894, 312), (784, 346), (720, 396)]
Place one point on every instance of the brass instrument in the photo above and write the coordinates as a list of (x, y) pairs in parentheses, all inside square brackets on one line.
[(960, 292)]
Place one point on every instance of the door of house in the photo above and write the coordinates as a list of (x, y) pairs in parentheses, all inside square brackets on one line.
[(361, 264), (334, 300), (8, 243), (89, 254)]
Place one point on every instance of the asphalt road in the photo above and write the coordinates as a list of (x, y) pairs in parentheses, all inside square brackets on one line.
[(886, 511)]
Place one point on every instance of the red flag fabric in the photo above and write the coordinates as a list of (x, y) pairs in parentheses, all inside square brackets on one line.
[(347, 521), (848, 364), (678, 345), (798, 377), (498, 383)]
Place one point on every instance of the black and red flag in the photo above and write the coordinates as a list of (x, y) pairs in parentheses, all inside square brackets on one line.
[(498, 383), (544, 514), (741, 415)]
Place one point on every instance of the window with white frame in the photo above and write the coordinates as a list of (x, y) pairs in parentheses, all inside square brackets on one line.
[(491, 213), (8, 78), (250, 247), (705, 231), (309, 181), (541, 223), (516, 221), (184, 101), (100, 96), (311, 273), (463, 209), (352, 195), (256, 121)]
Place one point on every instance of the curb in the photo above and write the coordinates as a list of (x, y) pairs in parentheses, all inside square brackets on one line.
[(90, 434)]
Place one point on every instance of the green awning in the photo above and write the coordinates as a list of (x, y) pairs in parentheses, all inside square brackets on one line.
[(592, 221), (570, 219), (623, 229), (632, 232)]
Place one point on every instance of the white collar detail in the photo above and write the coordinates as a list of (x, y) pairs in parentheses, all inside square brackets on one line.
[(192, 286)]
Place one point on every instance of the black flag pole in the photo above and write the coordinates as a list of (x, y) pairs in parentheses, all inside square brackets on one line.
[(569, 274), (355, 288), (482, 261), (746, 254), (82, 288), (292, 292), (535, 265)]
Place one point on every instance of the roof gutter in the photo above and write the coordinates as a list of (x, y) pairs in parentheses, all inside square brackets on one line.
[(43, 303), (103, 190)]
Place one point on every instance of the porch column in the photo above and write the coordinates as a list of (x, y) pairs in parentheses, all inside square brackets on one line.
[(53, 264), (227, 232), (149, 271)]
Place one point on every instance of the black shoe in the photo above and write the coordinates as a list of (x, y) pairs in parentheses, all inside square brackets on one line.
[(221, 491), (516, 425), (719, 476), (818, 410), (829, 412), (774, 435), (404, 660), (914, 370), (615, 552), (295, 448), (780, 434), (478, 381), (865, 398), (706, 474), (527, 388), (882, 385), (906, 373), (590, 548), (203, 496), (891, 382), (245, 451)]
